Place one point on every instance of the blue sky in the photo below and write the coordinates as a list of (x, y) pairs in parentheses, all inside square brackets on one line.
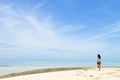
[(59, 29)]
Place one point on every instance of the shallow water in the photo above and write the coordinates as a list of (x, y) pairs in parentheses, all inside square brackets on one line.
[(11, 67)]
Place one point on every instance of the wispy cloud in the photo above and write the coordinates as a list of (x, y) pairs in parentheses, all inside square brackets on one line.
[(29, 31), (41, 4), (5, 6), (33, 34), (108, 32)]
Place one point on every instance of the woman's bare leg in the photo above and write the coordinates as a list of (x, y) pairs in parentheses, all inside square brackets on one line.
[(99, 67)]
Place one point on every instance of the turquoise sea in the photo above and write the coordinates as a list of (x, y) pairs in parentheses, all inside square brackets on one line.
[(11, 67)]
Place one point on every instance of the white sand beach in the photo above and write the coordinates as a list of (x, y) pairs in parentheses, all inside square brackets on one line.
[(110, 73)]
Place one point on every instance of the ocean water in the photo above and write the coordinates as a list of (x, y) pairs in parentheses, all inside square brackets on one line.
[(12, 67)]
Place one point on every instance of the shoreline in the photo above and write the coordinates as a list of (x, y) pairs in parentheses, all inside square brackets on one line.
[(47, 70), (44, 70)]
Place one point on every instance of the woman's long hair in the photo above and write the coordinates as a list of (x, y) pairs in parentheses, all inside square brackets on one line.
[(99, 56)]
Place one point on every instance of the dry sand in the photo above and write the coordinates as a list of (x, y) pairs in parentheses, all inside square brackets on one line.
[(108, 73)]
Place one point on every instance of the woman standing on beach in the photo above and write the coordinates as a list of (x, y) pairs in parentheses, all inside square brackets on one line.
[(99, 61)]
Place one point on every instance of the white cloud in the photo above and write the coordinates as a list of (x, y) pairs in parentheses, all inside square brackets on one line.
[(40, 5), (4, 7), (108, 32), (34, 34)]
